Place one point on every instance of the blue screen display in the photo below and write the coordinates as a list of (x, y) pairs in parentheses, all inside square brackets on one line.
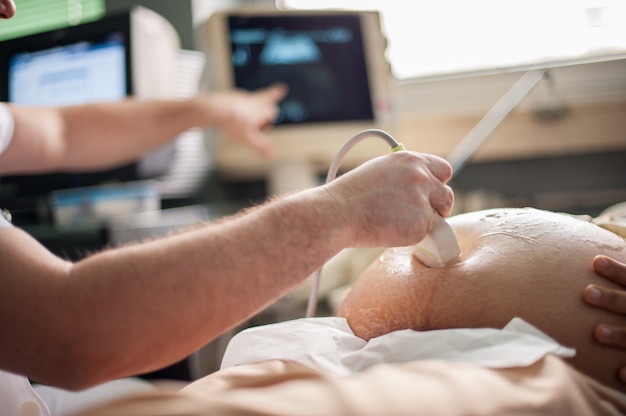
[(77, 73)]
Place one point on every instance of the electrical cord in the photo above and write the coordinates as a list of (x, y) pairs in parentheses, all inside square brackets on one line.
[(331, 175)]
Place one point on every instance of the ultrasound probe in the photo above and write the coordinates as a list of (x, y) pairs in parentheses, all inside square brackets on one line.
[(439, 248)]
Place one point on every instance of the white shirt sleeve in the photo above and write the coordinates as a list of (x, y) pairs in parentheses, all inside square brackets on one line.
[(7, 124), (4, 222)]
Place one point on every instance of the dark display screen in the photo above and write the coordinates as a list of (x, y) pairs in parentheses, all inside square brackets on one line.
[(320, 57)]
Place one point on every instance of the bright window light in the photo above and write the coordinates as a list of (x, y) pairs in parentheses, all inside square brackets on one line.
[(448, 36)]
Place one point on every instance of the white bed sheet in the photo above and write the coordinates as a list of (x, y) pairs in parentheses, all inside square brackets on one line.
[(328, 344)]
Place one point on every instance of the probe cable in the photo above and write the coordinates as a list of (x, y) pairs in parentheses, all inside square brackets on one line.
[(332, 173)]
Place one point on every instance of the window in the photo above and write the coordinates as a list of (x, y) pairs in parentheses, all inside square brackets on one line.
[(448, 36), (35, 16)]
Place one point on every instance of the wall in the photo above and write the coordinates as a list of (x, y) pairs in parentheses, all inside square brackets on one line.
[(587, 100), (574, 161)]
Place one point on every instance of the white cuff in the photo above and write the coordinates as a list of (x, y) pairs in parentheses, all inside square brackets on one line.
[(7, 125)]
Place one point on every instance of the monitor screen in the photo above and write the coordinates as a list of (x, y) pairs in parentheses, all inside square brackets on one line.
[(80, 72), (79, 64), (320, 58)]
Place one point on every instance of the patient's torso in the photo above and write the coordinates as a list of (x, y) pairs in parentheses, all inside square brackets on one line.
[(516, 262)]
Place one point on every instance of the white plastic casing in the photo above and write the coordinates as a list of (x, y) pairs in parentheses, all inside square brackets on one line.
[(440, 247)]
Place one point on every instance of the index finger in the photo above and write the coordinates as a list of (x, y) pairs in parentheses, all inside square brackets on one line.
[(275, 92)]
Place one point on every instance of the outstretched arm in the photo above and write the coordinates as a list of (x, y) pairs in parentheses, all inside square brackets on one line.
[(101, 135), (136, 308), (612, 300)]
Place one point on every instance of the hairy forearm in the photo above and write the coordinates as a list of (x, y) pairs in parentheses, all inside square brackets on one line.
[(132, 309), (137, 308)]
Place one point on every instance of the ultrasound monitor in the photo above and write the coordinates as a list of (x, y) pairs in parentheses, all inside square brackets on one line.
[(86, 63), (334, 63), (320, 58)]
